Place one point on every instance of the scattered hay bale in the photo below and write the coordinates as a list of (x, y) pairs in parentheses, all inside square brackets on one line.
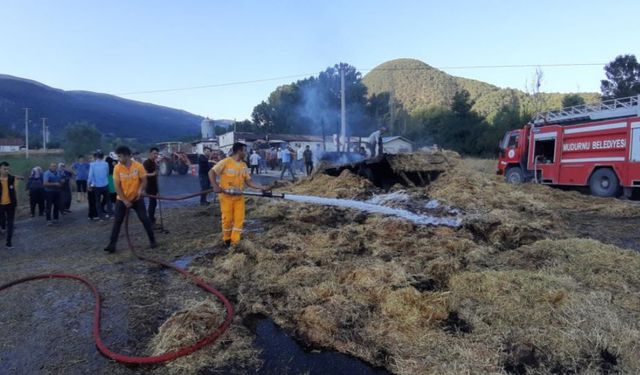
[(192, 323), (547, 315), (317, 325), (507, 292), (413, 309), (591, 263)]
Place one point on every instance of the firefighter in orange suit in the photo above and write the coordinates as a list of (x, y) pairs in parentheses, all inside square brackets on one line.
[(234, 175)]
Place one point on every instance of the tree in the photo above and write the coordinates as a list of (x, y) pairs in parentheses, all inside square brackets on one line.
[(571, 100), (244, 126), (534, 91), (81, 138), (461, 103), (263, 117), (304, 106), (623, 78)]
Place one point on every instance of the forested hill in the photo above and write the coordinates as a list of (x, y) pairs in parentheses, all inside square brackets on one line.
[(113, 116), (419, 86)]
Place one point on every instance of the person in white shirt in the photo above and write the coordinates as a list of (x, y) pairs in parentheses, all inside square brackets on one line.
[(254, 162), (300, 158), (279, 157), (375, 141)]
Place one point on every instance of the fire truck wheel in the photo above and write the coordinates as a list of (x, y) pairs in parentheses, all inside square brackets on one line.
[(604, 183), (514, 175)]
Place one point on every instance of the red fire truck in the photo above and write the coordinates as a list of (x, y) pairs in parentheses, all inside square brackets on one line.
[(586, 145)]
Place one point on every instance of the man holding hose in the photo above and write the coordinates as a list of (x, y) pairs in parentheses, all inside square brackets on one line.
[(234, 175), (130, 179)]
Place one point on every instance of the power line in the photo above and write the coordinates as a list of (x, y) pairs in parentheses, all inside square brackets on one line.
[(238, 83)]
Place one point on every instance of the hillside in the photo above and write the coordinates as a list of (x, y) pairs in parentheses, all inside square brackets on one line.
[(113, 116), (418, 86)]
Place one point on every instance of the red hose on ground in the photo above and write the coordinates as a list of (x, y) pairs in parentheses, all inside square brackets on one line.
[(210, 338)]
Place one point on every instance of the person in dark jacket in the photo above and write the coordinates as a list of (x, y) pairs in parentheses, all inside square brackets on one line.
[(65, 190), (204, 165), (308, 159), (112, 160), (35, 187), (8, 201), (151, 166), (52, 185)]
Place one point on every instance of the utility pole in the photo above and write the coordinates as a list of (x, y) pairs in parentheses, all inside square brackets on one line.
[(26, 130), (324, 136), (343, 114), (44, 133), (392, 119)]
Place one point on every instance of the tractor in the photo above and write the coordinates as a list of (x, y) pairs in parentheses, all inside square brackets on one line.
[(173, 157)]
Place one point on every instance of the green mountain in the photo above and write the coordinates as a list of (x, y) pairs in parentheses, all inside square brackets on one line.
[(419, 86)]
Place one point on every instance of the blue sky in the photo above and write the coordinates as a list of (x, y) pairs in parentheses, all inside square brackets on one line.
[(128, 46)]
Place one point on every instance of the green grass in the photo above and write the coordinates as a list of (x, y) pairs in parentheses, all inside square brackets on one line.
[(21, 166)]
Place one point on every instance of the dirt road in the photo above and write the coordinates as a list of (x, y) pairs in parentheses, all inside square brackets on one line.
[(46, 325)]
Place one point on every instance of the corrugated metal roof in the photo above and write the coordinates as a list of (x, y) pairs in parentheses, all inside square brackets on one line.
[(389, 139), (11, 142)]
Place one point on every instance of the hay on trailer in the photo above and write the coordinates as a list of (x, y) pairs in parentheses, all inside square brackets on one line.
[(346, 185), (424, 161)]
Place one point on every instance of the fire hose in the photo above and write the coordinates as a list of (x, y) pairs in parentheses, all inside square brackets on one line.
[(168, 356)]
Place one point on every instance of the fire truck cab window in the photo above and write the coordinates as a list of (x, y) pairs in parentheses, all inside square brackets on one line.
[(513, 140), (545, 151)]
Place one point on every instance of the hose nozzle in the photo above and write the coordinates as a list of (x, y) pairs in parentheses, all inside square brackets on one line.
[(264, 193)]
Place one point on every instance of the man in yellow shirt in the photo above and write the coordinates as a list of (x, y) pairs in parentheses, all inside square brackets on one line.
[(8, 201), (234, 175), (130, 180)]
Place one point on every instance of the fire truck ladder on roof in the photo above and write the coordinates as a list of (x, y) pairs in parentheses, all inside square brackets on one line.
[(623, 107)]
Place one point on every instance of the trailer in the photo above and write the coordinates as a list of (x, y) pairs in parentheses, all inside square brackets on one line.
[(588, 145)]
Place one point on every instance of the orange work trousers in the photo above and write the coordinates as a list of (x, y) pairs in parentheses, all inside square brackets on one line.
[(232, 208)]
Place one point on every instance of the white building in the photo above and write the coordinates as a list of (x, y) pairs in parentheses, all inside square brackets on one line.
[(227, 140), (391, 145), (200, 145), (11, 144), (396, 145)]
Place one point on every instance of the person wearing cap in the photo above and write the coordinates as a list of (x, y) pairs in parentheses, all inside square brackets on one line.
[(234, 175)]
